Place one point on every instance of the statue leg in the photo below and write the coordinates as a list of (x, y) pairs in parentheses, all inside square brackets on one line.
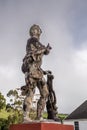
[(28, 105), (42, 101)]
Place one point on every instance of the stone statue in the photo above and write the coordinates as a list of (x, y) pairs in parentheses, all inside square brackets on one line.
[(34, 76)]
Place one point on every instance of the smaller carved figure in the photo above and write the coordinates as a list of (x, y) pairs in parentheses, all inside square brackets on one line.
[(51, 101)]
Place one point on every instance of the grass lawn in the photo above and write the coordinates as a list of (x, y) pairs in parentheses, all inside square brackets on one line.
[(61, 116)]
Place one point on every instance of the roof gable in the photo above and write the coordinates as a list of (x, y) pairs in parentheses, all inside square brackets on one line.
[(79, 113)]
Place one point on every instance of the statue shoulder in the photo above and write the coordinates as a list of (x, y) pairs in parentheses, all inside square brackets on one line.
[(31, 41)]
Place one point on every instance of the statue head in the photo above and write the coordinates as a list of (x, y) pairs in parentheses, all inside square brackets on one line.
[(35, 31)]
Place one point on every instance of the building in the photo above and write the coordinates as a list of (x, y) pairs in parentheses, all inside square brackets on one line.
[(78, 117)]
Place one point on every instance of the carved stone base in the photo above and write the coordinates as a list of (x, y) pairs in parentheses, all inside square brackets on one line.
[(41, 126)]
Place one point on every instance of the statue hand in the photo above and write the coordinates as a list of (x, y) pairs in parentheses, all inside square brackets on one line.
[(49, 47)]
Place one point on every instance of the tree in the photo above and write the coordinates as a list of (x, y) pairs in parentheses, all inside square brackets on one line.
[(14, 106), (2, 101), (15, 100)]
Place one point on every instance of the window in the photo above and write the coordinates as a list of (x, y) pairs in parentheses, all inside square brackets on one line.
[(76, 124)]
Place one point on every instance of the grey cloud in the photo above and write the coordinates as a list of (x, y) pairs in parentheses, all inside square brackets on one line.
[(55, 20)]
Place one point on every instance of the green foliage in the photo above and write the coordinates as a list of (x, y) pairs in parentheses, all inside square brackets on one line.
[(2, 101), (12, 93), (45, 115), (4, 125), (15, 100), (62, 116), (13, 118), (16, 117), (4, 114), (10, 114), (8, 107)]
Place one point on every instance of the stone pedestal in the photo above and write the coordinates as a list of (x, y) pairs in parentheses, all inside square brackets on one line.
[(41, 126)]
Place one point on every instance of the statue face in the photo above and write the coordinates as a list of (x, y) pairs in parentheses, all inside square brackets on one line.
[(35, 31)]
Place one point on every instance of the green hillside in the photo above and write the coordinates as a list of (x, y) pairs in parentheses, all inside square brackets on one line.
[(4, 114)]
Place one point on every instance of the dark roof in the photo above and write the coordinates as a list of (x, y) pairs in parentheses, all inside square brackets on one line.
[(79, 113)]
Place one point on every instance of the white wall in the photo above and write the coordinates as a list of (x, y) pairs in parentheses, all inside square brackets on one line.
[(82, 124), (68, 123)]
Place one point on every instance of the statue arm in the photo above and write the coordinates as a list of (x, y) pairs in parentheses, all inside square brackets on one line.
[(43, 50), (48, 48)]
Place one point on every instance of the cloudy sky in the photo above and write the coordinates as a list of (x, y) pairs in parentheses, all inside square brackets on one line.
[(64, 26)]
